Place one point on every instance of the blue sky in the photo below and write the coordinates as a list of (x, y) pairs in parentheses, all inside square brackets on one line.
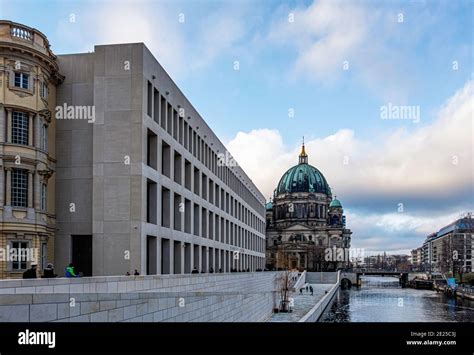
[(298, 65)]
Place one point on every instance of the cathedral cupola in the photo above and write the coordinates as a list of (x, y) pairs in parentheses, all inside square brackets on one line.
[(303, 156)]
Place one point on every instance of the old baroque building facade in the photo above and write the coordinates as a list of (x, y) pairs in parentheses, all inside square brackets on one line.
[(28, 79), (303, 221)]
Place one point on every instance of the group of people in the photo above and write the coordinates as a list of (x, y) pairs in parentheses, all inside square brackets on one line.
[(48, 272), (136, 273), (308, 288)]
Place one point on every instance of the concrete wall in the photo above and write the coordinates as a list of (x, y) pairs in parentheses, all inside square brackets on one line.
[(137, 307), (218, 297), (104, 171), (321, 277), (74, 156)]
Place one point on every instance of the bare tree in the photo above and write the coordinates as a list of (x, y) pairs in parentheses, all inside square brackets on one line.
[(445, 258), (316, 258), (284, 282)]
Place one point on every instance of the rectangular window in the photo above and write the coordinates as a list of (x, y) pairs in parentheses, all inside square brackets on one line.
[(44, 256), (44, 137), (152, 150), (44, 90), (19, 188), (20, 128), (149, 100), (19, 263), (44, 192), (21, 80)]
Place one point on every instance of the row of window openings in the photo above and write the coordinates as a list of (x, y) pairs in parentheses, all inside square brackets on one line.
[(173, 122), (19, 190), (21, 128), (206, 261), (208, 189), (22, 81), (235, 235)]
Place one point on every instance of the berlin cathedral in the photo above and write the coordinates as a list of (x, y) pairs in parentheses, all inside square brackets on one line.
[(303, 221)]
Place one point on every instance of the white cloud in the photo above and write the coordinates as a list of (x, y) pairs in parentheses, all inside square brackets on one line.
[(180, 47), (435, 158), (399, 165), (328, 34)]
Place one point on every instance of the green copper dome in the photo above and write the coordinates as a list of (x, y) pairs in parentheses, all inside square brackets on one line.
[(269, 205), (303, 178), (335, 203)]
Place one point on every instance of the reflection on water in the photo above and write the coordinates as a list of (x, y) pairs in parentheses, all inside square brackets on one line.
[(381, 299)]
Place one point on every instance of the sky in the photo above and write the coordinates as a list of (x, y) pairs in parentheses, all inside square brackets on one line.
[(382, 91)]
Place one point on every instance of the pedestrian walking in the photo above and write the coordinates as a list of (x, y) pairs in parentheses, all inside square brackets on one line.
[(311, 289)]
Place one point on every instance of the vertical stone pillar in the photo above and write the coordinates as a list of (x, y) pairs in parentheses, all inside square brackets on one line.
[(30, 189), (183, 256), (37, 191), (158, 203), (3, 123), (2, 184), (31, 129), (191, 261), (199, 266), (9, 125), (171, 251), (8, 187), (37, 131)]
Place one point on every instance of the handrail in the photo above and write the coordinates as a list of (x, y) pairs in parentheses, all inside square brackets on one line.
[(301, 280)]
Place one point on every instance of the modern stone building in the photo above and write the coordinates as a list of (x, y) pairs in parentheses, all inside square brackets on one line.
[(28, 79), (303, 221), (450, 249), (142, 182), (138, 181)]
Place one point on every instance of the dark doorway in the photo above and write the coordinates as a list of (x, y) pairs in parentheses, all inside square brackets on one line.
[(82, 254)]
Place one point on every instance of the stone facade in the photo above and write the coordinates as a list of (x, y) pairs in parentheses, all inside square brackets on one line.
[(145, 184), (29, 76), (239, 297)]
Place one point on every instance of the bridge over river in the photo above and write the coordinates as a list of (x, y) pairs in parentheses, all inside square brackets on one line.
[(352, 278)]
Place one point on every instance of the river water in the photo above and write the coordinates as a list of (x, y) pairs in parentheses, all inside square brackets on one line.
[(381, 299)]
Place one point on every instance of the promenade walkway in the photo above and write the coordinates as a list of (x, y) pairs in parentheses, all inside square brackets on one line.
[(302, 304)]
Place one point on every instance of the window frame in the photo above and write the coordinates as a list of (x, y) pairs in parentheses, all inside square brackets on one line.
[(43, 196), (44, 254), (19, 193), (44, 90), (20, 128), (21, 259), (44, 137), (22, 77)]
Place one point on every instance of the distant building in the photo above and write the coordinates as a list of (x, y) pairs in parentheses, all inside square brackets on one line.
[(450, 249), (304, 220), (416, 257)]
